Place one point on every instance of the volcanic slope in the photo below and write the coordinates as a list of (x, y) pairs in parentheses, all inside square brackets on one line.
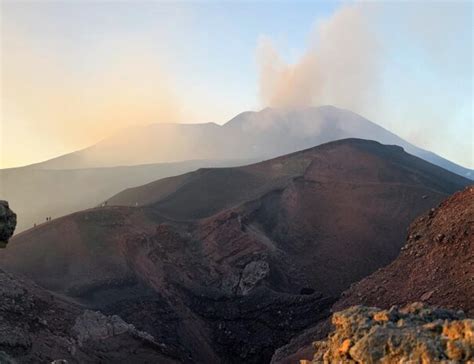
[(39, 193), (228, 264), (326, 207), (435, 266)]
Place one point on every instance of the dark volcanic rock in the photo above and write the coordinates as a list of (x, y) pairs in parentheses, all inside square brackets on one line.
[(7, 223), (248, 329), (39, 327), (301, 345)]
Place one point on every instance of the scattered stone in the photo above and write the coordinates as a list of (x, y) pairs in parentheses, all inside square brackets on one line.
[(427, 295)]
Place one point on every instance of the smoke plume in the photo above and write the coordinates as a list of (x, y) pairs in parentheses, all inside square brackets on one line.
[(340, 66)]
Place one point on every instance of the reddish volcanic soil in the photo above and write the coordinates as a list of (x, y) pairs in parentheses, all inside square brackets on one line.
[(228, 264), (436, 265)]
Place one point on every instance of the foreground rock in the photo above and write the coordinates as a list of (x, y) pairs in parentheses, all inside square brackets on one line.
[(7, 223), (415, 334)]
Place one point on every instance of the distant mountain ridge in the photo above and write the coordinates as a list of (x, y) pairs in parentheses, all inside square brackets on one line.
[(40, 193), (250, 135)]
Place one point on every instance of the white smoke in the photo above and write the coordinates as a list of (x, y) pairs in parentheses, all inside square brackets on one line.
[(339, 67)]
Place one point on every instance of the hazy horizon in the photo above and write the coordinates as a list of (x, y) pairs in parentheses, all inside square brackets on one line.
[(74, 73), (124, 129)]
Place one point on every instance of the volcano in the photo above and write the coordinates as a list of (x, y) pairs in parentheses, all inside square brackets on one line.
[(227, 264)]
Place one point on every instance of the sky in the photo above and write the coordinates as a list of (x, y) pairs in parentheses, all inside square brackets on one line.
[(74, 72)]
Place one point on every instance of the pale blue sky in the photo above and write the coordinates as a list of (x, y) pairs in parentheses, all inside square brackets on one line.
[(206, 53)]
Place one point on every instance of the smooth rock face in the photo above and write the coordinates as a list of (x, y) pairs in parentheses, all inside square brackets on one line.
[(7, 223), (415, 333)]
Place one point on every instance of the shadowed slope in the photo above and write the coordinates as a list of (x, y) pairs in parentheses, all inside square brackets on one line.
[(39, 327), (435, 266)]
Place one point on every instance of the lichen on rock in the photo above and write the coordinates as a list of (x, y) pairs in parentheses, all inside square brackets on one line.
[(415, 333)]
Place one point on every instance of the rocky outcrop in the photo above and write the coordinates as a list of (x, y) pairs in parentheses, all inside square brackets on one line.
[(252, 274), (415, 333), (7, 223), (93, 325), (241, 283)]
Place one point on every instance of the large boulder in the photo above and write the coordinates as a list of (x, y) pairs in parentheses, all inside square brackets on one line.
[(253, 273), (7, 223), (412, 334)]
